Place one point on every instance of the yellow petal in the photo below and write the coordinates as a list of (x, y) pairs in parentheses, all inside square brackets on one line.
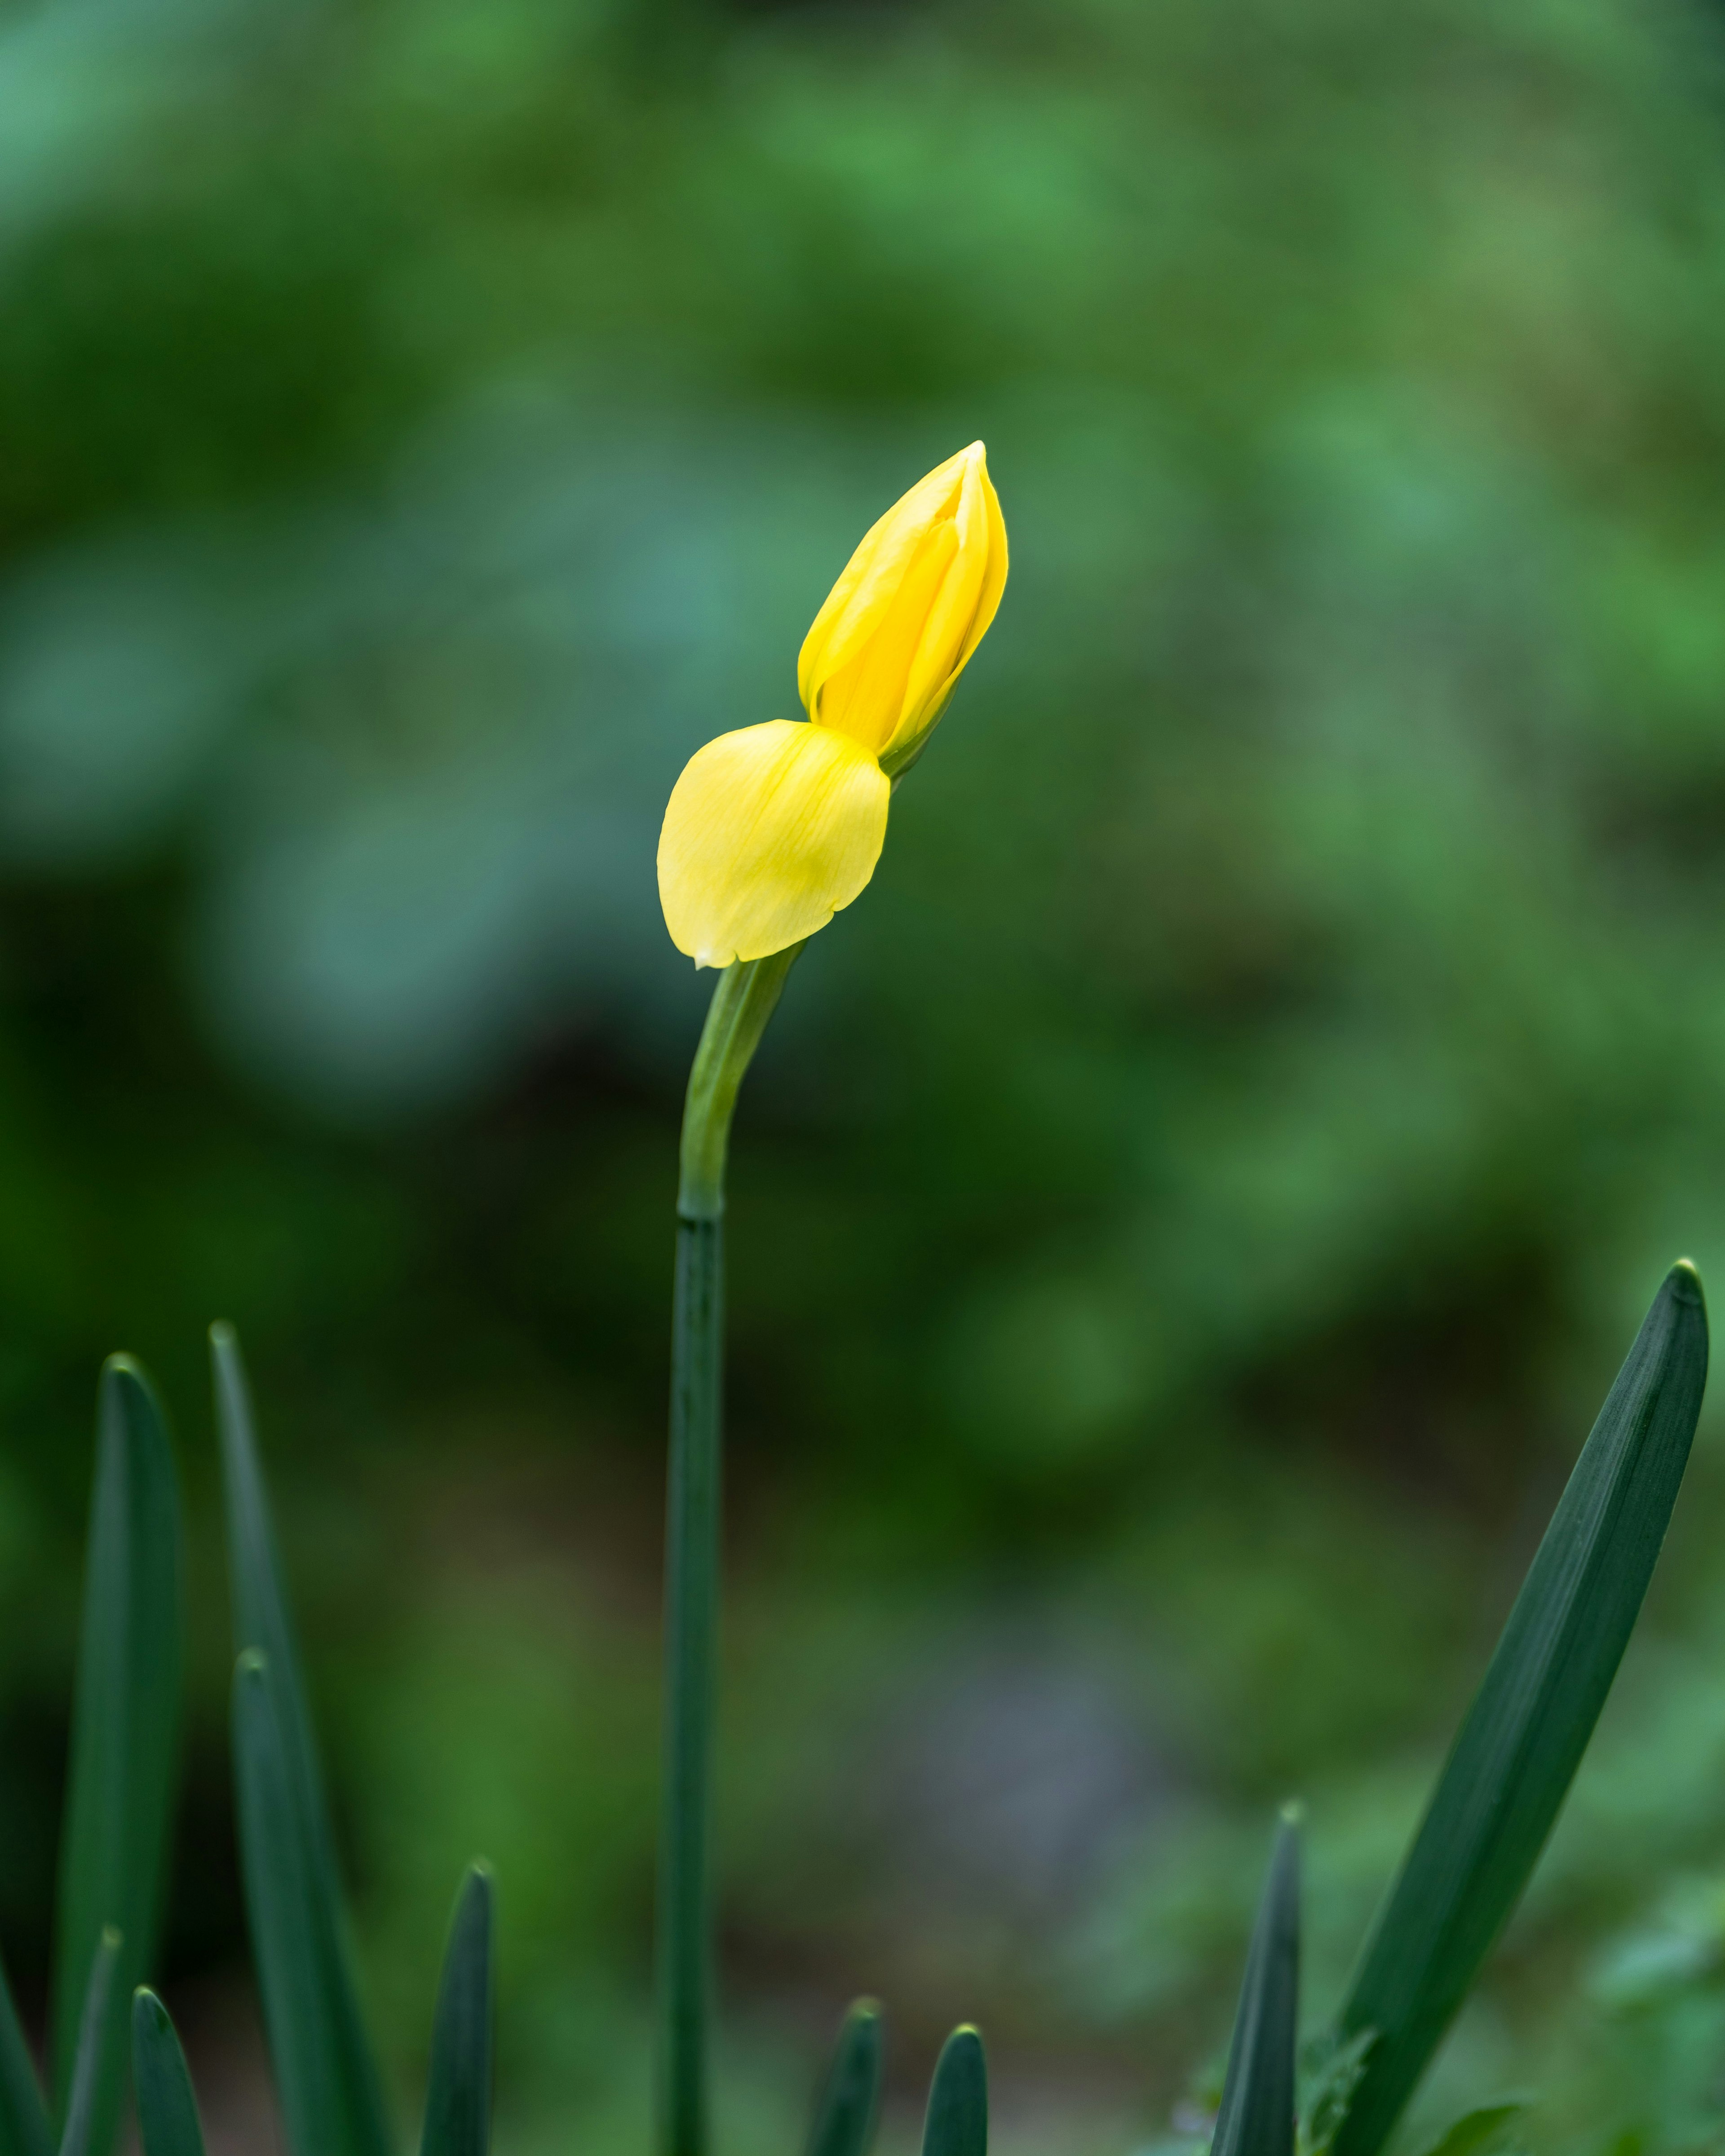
[(768, 832), (901, 621), (871, 579), (865, 698)]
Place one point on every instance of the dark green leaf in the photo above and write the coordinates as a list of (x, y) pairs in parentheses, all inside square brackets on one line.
[(1524, 1735), (1256, 2118), (849, 2097), (24, 2130), (262, 1618), (92, 2068), (167, 2111), (332, 2067), (957, 2122), (125, 1730), (458, 2096), (309, 2010)]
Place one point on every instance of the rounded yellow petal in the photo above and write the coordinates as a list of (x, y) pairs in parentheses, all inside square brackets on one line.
[(768, 832)]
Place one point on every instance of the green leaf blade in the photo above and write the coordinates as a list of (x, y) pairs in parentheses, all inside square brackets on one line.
[(92, 2061), (1256, 2117), (167, 2110), (957, 2121), (844, 2124), (125, 1731), (1524, 1737), (24, 2130), (262, 1615), (310, 2013), (327, 2073), (458, 2096)]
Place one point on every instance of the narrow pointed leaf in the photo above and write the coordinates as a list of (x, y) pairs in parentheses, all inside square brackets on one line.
[(1256, 2118), (167, 2110), (339, 2098), (24, 2130), (1523, 1739), (262, 1616), (957, 2122), (124, 1731), (457, 2095), (851, 2096), (92, 2065), (309, 2010)]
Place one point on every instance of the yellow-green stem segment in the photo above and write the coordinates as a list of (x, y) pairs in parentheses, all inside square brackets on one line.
[(742, 1002)]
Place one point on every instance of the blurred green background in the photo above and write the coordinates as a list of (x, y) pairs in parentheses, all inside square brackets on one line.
[(1185, 1218)]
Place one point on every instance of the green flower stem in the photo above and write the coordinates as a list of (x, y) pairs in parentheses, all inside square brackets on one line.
[(742, 1002)]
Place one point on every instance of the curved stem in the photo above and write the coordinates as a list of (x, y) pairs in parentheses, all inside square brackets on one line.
[(742, 1002)]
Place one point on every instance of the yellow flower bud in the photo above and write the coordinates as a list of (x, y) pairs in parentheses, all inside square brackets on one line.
[(771, 830), (901, 623)]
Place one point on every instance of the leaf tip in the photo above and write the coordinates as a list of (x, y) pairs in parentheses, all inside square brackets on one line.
[(125, 1373), (1684, 1281), (476, 1897), (124, 1389)]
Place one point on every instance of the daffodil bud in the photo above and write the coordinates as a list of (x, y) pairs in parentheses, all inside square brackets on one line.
[(901, 623), (772, 829)]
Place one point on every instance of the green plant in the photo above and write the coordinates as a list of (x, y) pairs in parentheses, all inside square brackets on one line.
[(1507, 1775), (325, 2073), (120, 1796), (1490, 1812)]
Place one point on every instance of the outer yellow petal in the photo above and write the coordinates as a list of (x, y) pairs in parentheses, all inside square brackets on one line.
[(959, 618), (994, 576), (768, 832), (867, 696), (912, 605), (869, 582)]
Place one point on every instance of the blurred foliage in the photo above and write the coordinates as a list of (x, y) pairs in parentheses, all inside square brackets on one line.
[(1295, 984)]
